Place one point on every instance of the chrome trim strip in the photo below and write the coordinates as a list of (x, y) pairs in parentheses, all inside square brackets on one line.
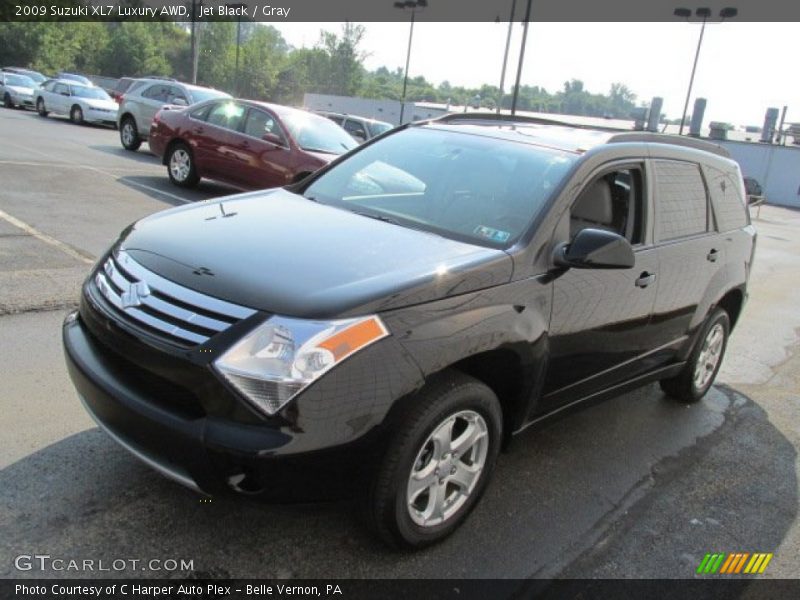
[(141, 316), (179, 292), (167, 470)]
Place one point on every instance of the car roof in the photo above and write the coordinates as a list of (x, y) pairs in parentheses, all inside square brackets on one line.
[(559, 135)]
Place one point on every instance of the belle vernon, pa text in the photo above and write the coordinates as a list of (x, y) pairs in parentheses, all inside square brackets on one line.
[(165, 591)]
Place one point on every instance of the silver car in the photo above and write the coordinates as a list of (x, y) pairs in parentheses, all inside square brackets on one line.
[(16, 90), (143, 100), (360, 129), (82, 103)]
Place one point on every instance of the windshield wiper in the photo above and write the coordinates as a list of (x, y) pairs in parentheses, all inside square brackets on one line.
[(383, 218)]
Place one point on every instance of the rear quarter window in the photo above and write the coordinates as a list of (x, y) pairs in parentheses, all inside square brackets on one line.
[(727, 201), (680, 199)]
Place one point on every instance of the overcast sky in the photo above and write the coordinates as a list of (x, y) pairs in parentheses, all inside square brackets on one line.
[(743, 69)]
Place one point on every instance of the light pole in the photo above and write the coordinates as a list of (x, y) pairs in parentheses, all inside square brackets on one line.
[(412, 5), (194, 39), (505, 55), (521, 58), (239, 6), (704, 14)]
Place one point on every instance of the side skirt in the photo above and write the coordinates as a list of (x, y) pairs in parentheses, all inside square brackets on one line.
[(597, 397)]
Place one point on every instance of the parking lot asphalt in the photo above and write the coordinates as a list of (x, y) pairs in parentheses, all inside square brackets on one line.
[(638, 486)]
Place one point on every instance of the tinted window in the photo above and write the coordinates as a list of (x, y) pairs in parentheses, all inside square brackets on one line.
[(727, 198), (157, 92), (355, 128), (61, 89), (680, 199), (201, 114), (201, 95), (378, 127), (260, 122), (226, 114), (472, 188)]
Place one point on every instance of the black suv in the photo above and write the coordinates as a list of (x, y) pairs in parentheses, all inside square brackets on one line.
[(390, 322)]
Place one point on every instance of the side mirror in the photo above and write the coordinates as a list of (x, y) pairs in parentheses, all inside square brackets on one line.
[(273, 138), (180, 102), (595, 249)]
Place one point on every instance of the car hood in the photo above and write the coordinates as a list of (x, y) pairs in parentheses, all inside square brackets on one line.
[(106, 104), (279, 252), (18, 89)]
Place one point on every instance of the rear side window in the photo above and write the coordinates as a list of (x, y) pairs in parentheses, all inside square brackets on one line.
[(680, 199), (227, 114), (726, 198)]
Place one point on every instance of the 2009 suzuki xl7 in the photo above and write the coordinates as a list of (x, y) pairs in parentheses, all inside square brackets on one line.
[(396, 317)]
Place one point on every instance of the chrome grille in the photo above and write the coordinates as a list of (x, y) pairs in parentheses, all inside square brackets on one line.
[(176, 312)]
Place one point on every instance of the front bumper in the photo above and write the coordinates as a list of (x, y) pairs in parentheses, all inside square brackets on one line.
[(207, 453), (99, 116), (22, 100)]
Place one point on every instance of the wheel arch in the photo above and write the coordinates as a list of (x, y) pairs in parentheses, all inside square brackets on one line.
[(732, 302), (171, 144)]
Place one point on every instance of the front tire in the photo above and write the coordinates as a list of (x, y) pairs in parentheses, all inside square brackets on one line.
[(40, 108), (7, 102), (438, 464), (76, 115), (129, 134), (695, 379), (181, 167)]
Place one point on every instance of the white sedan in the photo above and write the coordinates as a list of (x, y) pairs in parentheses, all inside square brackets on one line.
[(16, 90), (82, 103)]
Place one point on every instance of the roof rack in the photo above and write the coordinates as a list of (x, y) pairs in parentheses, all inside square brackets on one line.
[(666, 138), (620, 135), (494, 117)]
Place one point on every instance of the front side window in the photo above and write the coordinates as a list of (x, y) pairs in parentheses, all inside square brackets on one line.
[(157, 92), (259, 123), (471, 188), (680, 200), (613, 201), (378, 127), (61, 89), (355, 129)]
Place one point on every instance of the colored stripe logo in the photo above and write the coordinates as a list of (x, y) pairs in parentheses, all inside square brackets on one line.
[(734, 563)]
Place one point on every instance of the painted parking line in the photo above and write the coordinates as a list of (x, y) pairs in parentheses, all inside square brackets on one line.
[(69, 163), (26, 163), (65, 248)]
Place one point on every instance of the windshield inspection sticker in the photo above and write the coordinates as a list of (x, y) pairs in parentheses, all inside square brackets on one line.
[(492, 234)]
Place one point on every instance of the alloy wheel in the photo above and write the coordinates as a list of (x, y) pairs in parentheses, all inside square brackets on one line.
[(447, 468), (180, 165), (709, 356)]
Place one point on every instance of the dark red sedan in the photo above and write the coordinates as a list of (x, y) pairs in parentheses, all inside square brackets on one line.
[(247, 144)]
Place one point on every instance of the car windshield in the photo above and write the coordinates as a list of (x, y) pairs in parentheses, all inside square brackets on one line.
[(466, 187), (90, 92), (317, 134), (19, 80), (378, 127), (203, 94)]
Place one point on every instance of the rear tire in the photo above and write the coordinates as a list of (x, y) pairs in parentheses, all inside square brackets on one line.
[(180, 166), (76, 115), (437, 464), (40, 108), (129, 134), (697, 376)]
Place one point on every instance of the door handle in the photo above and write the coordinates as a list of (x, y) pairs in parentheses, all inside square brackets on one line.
[(645, 279), (712, 256)]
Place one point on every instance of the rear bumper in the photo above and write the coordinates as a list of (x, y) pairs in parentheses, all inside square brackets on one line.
[(207, 454)]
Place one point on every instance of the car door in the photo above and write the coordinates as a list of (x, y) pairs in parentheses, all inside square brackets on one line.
[(216, 142), (59, 99), (149, 102), (600, 322), (690, 251), (264, 162)]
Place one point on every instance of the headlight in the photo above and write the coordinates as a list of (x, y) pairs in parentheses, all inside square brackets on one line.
[(283, 356)]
